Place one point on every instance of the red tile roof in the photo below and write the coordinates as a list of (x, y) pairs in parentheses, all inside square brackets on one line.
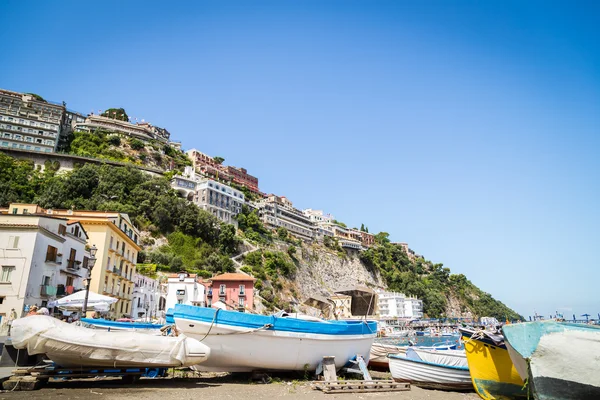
[(232, 277)]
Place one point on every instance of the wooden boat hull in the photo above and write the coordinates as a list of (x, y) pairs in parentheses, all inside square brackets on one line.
[(429, 375), (493, 374), (559, 359), (238, 345)]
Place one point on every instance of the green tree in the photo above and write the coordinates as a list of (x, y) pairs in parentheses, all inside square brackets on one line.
[(382, 238), (362, 227), (282, 233), (116, 113), (136, 144), (218, 160)]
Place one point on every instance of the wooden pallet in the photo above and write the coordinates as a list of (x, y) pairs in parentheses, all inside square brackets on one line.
[(360, 386), (36, 377)]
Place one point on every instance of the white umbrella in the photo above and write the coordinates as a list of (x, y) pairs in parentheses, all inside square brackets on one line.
[(75, 301)]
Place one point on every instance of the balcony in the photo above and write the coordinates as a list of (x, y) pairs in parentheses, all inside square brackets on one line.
[(242, 294), (60, 290), (47, 290)]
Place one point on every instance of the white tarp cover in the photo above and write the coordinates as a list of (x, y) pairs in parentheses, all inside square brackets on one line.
[(452, 358), (70, 345)]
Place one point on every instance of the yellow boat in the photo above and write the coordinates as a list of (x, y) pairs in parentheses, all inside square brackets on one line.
[(493, 374)]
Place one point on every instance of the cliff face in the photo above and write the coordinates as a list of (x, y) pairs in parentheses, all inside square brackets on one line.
[(321, 271)]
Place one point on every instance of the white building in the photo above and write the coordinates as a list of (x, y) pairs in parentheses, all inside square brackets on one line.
[(413, 308), (146, 294), (317, 216), (391, 305), (278, 212), (222, 201), (29, 123), (394, 305), (184, 288), (219, 199), (42, 258)]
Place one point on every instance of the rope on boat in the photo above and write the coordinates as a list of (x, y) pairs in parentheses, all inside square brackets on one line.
[(264, 327)]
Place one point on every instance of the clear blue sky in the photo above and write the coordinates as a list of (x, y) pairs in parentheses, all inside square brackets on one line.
[(470, 130)]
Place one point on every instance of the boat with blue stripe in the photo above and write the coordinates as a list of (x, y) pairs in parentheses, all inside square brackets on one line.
[(249, 342), (109, 325)]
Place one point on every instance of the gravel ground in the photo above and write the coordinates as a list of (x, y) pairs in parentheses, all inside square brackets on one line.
[(216, 387)]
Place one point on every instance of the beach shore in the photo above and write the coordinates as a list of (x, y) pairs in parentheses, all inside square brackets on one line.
[(219, 387)]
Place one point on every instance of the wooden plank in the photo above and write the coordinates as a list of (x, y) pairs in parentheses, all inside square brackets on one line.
[(361, 386)]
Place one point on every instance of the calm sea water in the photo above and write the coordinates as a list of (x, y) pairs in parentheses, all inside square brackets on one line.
[(422, 340)]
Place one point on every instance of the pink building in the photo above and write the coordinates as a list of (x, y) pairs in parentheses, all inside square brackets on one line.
[(234, 289)]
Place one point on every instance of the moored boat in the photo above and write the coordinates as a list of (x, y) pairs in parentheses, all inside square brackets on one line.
[(436, 371), (69, 345), (493, 374), (559, 359), (242, 342)]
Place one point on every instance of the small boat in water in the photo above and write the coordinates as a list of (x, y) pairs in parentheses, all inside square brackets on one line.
[(445, 370), (493, 374), (69, 345), (111, 326), (242, 342), (559, 360)]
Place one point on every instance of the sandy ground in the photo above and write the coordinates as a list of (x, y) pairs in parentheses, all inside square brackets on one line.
[(214, 388)]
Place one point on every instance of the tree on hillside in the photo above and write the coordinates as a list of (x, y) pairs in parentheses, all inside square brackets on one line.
[(219, 160), (382, 237), (116, 113)]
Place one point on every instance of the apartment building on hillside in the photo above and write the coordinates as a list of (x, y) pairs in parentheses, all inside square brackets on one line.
[(42, 258), (29, 123), (275, 212), (143, 131), (206, 165)]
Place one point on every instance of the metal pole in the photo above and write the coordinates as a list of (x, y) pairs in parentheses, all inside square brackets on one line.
[(87, 293)]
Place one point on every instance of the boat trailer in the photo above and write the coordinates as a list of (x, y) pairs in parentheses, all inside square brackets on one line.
[(34, 378)]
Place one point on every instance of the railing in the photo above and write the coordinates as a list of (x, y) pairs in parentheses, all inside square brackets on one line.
[(70, 289)]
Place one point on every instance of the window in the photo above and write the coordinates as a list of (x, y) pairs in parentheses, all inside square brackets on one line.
[(15, 210), (242, 289), (13, 242), (241, 302), (51, 253), (221, 290), (6, 273), (69, 281), (1, 299), (45, 281), (71, 260)]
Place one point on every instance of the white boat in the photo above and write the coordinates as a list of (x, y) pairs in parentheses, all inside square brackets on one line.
[(559, 360), (118, 326), (242, 342), (443, 371), (379, 352), (69, 345)]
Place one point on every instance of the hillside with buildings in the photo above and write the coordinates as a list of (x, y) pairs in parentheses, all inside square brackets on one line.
[(196, 216)]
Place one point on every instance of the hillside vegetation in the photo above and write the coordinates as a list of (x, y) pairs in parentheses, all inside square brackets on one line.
[(199, 243)]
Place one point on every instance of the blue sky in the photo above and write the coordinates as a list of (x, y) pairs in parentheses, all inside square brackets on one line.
[(469, 129)]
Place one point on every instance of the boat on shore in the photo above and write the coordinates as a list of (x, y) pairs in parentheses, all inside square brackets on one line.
[(242, 342), (558, 359), (111, 326), (446, 370), (69, 345), (378, 358), (493, 374)]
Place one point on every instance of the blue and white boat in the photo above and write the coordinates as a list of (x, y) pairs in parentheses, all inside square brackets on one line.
[(109, 326), (446, 370), (559, 360), (242, 342)]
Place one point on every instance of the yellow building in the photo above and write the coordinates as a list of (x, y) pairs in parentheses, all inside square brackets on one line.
[(116, 239)]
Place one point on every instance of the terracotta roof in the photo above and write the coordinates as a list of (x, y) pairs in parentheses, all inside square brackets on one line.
[(232, 277)]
